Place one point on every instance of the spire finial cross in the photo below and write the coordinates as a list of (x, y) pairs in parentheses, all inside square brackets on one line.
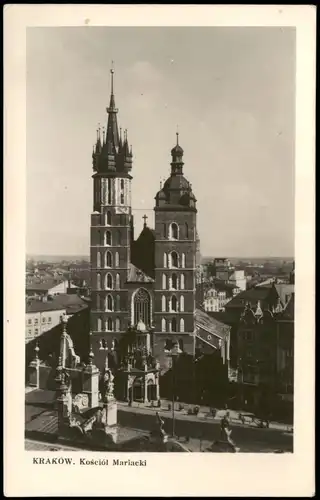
[(112, 73), (177, 134), (145, 217)]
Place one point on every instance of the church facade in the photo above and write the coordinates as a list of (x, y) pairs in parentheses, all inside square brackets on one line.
[(149, 284)]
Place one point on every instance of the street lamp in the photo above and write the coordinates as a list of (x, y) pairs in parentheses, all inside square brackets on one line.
[(173, 353)]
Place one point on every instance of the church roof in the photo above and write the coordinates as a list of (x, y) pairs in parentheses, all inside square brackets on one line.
[(138, 276), (209, 325)]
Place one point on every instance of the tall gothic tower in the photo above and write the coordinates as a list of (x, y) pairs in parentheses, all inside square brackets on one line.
[(175, 258), (111, 228)]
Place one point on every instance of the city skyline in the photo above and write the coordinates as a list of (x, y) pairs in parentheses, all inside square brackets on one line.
[(235, 118)]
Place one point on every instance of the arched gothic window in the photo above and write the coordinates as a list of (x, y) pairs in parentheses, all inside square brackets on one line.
[(116, 258), (109, 325), (164, 259), (174, 303), (181, 327), (163, 303), (163, 325), (182, 282), (109, 303), (117, 324), (174, 231), (98, 259), (164, 282), (181, 343), (98, 281), (122, 184), (183, 260), (108, 259), (118, 302), (119, 237), (142, 307), (99, 325), (117, 281), (108, 219), (174, 281), (174, 259), (164, 230), (109, 191), (182, 303), (108, 281), (121, 199), (186, 229), (98, 302), (173, 325), (108, 238)]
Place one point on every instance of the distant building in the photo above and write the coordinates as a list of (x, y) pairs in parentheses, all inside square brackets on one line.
[(43, 315), (223, 268), (238, 279), (45, 287), (217, 294)]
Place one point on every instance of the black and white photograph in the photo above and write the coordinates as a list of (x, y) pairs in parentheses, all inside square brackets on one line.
[(160, 184)]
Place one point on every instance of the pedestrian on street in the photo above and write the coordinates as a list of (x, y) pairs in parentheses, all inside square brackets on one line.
[(226, 431)]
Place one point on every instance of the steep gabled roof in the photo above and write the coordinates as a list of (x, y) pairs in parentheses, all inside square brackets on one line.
[(138, 276)]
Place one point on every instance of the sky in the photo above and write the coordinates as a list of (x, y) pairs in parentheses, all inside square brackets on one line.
[(230, 92)]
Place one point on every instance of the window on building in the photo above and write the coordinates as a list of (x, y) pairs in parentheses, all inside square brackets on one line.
[(108, 219), (99, 325), (182, 303), (174, 281), (117, 259), (108, 281), (109, 325), (117, 324), (164, 230), (183, 260), (108, 238), (142, 307), (117, 281), (168, 345), (109, 191), (98, 237), (182, 281), (164, 282), (35, 321), (43, 320), (109, 303), (173, 325), (29, 332), (36, 331), (121, 199), (174, 259), (122, 184), (118, 302), (98, 302), (181, 343), (174, 231), (164, 259), (119, 237), (186, 230), (98, 259), (174, 303), (29, 321), (109, 259), (98, 281), (122, 220), (163, 302), (163, 325), (49, 319)]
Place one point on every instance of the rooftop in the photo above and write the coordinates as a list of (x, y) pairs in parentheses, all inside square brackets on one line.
[(70, 303), (138, 276)]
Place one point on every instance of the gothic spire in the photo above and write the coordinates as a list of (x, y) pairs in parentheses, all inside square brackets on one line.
[(112, 135)]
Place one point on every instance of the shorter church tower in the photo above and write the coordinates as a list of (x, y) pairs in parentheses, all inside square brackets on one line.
[(175, 260)]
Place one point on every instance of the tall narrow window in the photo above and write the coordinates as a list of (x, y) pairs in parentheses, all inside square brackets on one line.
[(164, 282), (109, 259), (183, 260), (116, 258), (174, 259), (118, 303), (108, 219), (174, 282), (109, 303), (122, 184), (181, 342), (164, 259), (173, 325), (121, 199), (174, 303), (109, 191), (182, 282), (182, 303), (98, 281), (98, 302), (163, 325), (163, 303), (117, 281), (164, 230), (98, 237), (119, 237), (109, 325), (174, 231), (98, 259), (142, 307), (99, 325), (108, 238), (108, 281), (186, 230), (117, 324)]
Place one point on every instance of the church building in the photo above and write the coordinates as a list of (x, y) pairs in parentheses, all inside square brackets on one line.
[(148, 285)]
